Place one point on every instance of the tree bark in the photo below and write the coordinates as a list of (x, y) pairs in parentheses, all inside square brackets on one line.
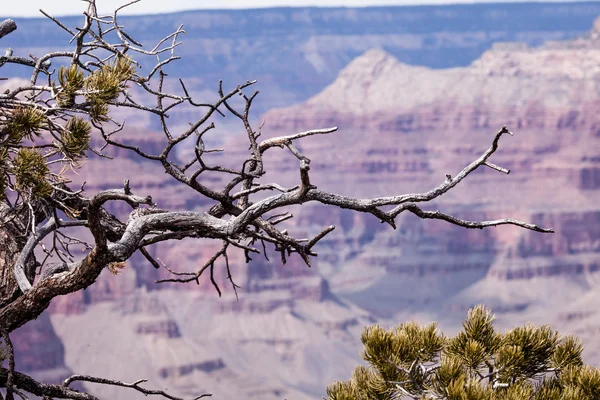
[(7, 26), (12, 241)]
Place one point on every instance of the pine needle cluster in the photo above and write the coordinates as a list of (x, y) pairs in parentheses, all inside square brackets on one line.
[(105, 85), (24, 167), (71, 80), (412, 361), (75, 138), (31, 173)]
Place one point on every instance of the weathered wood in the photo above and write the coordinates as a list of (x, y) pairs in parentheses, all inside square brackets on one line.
[(11, 244), (7, 26)]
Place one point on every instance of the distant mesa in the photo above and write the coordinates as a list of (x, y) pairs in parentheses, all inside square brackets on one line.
[(555, 75)]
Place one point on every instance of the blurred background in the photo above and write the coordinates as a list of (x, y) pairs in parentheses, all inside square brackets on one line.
[(418, 91)]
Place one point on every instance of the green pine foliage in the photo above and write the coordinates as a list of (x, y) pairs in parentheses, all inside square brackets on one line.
[(75, 139), (31, 173), (71, 80), (412, 361), (24, 123), (105, 85), (32, 139)]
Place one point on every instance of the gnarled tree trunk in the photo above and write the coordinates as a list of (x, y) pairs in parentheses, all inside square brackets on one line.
[(12, 240)]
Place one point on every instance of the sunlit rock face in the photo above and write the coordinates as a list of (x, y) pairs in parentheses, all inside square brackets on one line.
[(403, 127)]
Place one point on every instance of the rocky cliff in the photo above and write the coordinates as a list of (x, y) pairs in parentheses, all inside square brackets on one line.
[(402, 128), (295, 52)]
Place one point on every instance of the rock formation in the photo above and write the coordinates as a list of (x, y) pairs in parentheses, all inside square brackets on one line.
[(402, 128)]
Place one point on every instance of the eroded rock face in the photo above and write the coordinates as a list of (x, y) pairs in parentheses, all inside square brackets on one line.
[(295, 52), (402, 128), (39, 352), (37, 347)]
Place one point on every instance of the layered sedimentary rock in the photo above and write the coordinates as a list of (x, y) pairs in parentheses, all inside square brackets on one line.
[(40, 352), (402, 128), (295, 52)]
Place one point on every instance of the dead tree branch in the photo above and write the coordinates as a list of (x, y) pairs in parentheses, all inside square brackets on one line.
[(63, 108), (7, 26)]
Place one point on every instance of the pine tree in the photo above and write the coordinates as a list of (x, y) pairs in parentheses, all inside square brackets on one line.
[(412, 361)]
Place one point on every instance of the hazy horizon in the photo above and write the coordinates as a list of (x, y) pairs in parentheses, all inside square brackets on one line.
[(30, 8)]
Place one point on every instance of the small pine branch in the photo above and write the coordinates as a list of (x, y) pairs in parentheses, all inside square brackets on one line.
[(414, 361)]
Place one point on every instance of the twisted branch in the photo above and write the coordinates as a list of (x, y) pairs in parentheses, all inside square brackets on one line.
[(239, 217)]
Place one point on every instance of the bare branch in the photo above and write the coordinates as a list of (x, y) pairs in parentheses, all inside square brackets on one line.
[(281, 141), (32, 242), (472, 224), (271, 186), (133, 385), (148, 257), (7, 26), (193, 276), (30, 385), (497, 168)]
